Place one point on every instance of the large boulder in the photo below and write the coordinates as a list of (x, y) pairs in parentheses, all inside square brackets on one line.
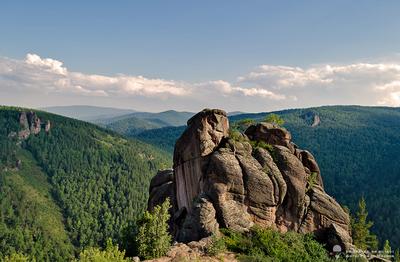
[(258, 178)]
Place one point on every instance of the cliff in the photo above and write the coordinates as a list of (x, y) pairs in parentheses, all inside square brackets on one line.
[(225, 180)]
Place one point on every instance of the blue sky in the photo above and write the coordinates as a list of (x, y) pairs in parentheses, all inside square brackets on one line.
[(198, 42)]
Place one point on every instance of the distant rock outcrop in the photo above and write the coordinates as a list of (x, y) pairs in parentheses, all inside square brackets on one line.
[(259, 178), (30, 123), (312, 118)]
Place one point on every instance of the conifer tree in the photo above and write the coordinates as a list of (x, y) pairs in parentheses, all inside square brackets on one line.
[(362, 237), (153, 238), (397, 255), (386, 247)]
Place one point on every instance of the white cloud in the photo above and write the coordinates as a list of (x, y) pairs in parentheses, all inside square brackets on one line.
[(227, 88), (268, 87), (49, 75), (358, 83), (47, 64)]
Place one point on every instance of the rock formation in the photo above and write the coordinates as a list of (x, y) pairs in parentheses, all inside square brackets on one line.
[(312, 118), (257, 178), (30, 123)]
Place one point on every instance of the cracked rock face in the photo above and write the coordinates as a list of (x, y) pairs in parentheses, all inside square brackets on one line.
[(221, 182)]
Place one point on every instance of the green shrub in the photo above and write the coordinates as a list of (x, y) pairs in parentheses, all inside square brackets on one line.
[(216, 246), (16, 257), (262, 144), (153, 239), (311, 180), (269, 245), (110, 254), (274, 119), (243, 124)]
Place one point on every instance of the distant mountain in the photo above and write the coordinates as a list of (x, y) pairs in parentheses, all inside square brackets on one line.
[(66, 184), (234, 113), (87, 113), (135, 123), (358, 149)]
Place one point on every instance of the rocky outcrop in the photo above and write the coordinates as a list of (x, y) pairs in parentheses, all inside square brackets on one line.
[(258, 178), (30, 123), (194, 251), (312, 118)]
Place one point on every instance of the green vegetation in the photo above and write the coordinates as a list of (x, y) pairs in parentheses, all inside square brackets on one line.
[(362, 237), (242, 124), (262, 144), (153, 238), (15, 257), (132, 125), (164, 138), (269, 245), (386, 247), (76, 187), (274, 119), (216, 246), (110, 254), (135, 123), (312, 180)]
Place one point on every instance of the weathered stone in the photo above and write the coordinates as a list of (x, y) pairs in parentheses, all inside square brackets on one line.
[(23, 121), (269, 167), (309, 162), (200, 223), (293, 173), (162, 177), (47, 126), (34, 123), (222, 182), (203, 135), (271, 134)]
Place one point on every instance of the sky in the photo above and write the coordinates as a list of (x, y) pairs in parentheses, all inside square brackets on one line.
[(188, 55)]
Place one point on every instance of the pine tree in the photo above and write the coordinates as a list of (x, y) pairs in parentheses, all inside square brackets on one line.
[(386, 247), (397, 255), (362, 237), (153, 238)]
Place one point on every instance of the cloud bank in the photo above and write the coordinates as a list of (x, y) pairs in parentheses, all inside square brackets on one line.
[(37, 81)]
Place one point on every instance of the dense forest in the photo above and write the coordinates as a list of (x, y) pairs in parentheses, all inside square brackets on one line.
[(72, 187), (357, 148)]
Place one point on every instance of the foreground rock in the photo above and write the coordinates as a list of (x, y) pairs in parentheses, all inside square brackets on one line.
[(194, 251), (258, 178)]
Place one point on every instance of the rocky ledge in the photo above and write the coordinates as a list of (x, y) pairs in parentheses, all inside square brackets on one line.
[(257, 178)]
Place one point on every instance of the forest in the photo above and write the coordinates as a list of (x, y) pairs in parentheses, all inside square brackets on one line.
[(73, 187)]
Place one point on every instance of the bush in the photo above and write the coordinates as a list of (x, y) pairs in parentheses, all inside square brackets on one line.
[(217, 246), (243, 124), (110, 254), (262, 144), (312, 180), (270, 245), (153, 239), (15, 257), (274, 119)]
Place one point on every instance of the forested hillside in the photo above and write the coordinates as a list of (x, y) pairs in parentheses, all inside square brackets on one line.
[(135, 123), (69, 188), (357, 148)]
